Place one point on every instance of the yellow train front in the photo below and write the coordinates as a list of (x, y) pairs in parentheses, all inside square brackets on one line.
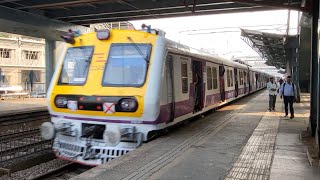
[(104, 95)]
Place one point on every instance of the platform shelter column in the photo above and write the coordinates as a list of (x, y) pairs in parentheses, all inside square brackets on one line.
[(50, 56)]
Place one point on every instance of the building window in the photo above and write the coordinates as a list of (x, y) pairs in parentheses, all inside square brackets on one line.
[(32, 55), (215, 78), (209, 78), (184, 77), (5, 53)]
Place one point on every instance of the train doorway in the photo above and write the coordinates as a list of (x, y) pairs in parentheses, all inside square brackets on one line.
[(222, 83), (245, 80), (198, 85), (236, 82), (249, 81), (170, 87)]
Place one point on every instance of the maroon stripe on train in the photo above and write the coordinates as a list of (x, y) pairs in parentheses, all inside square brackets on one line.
[(212, 99)]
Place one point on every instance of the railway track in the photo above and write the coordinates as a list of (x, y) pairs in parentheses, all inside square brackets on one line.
[(20, 140), (22, 143), (66, 171), (22, 117)]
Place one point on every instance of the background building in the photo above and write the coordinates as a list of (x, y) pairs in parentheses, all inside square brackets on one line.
[(22, 62), (22, 59)]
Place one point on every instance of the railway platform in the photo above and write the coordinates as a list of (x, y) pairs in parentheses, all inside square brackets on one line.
[(15, 106), (239, 141)]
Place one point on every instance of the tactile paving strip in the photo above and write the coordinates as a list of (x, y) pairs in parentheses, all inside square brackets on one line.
[(143, 162), (255, 159)]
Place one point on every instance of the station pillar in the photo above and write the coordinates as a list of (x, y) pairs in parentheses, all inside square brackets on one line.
[(315, 80), (50, 57), (315, 61), (304, 56)]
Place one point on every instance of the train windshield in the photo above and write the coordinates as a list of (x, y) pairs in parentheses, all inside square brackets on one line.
[(76, 65), (127, 65)]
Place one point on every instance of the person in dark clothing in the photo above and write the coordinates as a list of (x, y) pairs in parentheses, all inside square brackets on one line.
[(289, 93)]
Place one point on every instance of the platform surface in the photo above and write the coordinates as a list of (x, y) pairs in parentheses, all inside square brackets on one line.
[(240, 141), (11, 106)]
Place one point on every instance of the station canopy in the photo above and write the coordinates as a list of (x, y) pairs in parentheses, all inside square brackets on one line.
[(276, 49), (86, 12)]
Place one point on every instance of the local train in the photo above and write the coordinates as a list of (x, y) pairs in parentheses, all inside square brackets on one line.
[(114, 88)]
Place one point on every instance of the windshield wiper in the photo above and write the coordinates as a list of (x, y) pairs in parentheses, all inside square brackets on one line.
[(138, 49)]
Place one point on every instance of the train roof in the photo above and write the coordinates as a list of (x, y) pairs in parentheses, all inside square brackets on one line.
[(180, 48)]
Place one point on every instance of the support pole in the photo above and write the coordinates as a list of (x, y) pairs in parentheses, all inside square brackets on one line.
[(50, 47), (314, 68), (315, 59)]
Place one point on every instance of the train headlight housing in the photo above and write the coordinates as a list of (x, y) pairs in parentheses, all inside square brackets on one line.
[(103, 34), (61, 102), (47, 130), (128, 104), (112, 135)]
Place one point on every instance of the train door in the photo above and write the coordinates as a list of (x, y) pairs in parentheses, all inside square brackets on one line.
[(222, 83), (236, 85), (249, 80), (257, 80), (198, 85), (170, 87), (245, 82)]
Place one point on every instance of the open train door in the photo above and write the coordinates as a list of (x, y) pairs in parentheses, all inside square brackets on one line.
[(198, 85), (170, 87), (222, 83), (244, 82), (249, 80), (236, 82)]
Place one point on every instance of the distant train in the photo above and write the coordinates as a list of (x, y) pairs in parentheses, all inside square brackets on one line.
[(113, 89)]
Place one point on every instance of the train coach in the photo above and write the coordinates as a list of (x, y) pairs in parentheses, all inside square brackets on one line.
[(113, 89)]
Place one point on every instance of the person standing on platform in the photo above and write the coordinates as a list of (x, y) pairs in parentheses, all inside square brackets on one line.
[(272, 87), (289, 93)]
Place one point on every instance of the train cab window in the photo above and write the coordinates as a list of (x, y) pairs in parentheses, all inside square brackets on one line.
[(215, 78), (127, 65), (209, 78), (76, 65), (184, 77)]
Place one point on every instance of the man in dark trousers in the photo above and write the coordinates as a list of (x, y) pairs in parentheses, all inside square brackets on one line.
[(289, 93), (272, 87)]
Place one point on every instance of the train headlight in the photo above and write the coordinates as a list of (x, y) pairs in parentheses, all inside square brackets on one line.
[(128, 104), (103, 34), (47, 130), (112, 136), (61, 102)]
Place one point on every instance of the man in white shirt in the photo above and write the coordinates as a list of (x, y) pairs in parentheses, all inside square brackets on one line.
[(289, 93), (272, 87)]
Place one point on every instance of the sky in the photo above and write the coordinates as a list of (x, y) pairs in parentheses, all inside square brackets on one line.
[(220, 34)]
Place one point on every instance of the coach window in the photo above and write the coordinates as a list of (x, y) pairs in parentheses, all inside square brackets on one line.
[(215, 78), (209, 78), (127, 65), (184, 77), (75, 66)]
